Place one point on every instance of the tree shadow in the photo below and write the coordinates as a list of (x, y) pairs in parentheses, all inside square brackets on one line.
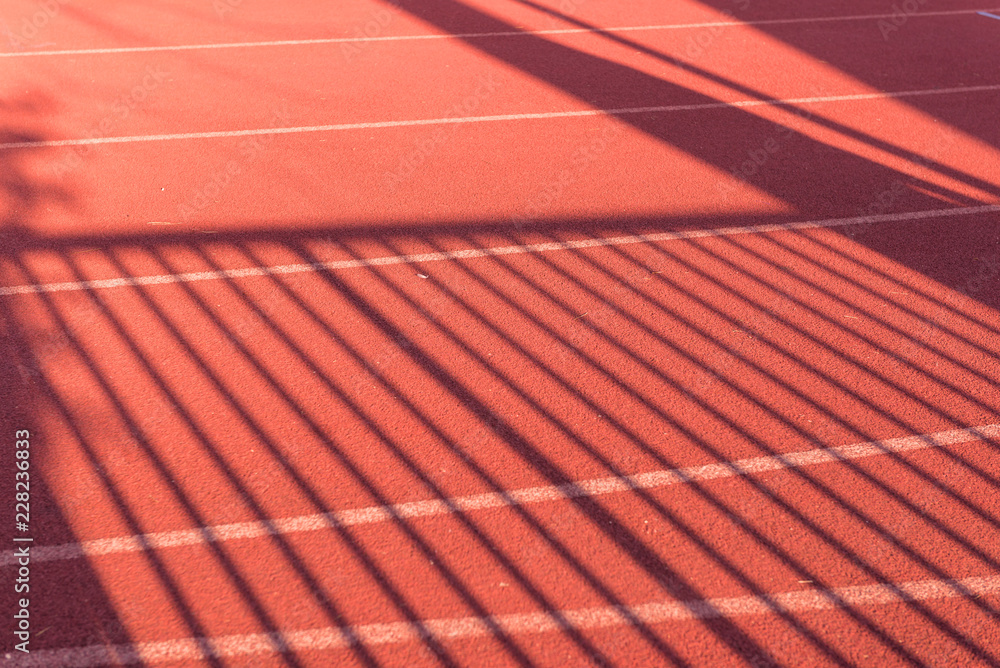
[(68, 605)]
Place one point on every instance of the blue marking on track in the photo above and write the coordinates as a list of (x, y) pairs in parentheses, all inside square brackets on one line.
[(992, 16)]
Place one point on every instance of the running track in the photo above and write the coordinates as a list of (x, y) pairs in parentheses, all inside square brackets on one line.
[(503, 332)]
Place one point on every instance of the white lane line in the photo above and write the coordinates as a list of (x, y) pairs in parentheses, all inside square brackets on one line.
[(472, 253), (476, 35), (496, 118), (657, 612), (520, 497)]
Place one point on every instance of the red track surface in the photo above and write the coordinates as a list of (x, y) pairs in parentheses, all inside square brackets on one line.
[(521, 334)]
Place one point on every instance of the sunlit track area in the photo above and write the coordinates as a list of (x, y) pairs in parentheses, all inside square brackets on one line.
[(499, 333)]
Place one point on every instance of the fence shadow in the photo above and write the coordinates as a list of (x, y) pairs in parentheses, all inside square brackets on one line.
[(338, 356), (294, 416), (72, 606)]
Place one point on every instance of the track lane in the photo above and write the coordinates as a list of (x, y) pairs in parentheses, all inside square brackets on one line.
[(403, 173), (245, 397)]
